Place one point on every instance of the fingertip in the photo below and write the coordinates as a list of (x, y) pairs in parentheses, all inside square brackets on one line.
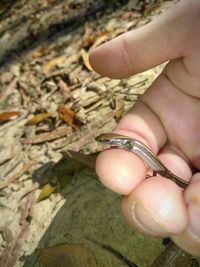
[(107, 61), (120, 170), (129, 205), (156, 207)]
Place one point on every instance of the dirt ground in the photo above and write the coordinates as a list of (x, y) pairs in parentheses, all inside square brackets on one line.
[(52, 105)]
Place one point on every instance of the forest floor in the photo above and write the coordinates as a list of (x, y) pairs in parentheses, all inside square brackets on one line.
[(52, 106)]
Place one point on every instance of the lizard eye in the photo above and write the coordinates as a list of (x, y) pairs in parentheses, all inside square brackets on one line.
[(128, 145)]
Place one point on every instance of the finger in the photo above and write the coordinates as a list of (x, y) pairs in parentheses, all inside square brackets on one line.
[(120, 170), (156, 206), (189, 240), (141, 49)]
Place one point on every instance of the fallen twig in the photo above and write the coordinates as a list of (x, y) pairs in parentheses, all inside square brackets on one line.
[(44, 137)]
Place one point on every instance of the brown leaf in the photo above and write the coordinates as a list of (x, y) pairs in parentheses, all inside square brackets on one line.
[(38, 118), (101, 39), (93, 38), (68, 115), (66, 256), (85, 57), (6, 116)]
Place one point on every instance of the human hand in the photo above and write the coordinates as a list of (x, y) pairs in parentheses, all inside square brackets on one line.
[(166, 119)]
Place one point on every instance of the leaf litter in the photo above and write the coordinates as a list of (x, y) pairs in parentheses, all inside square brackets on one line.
[(52, 104)]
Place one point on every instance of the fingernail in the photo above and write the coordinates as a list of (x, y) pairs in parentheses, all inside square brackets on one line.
[(149, 221)]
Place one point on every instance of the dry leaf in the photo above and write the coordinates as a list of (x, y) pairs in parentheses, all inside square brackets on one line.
[(6, 116), (68, 115), (101, 39), (92, 37), (85, 57), (47, 190), (96, 42), (66, 256), (38, 118)]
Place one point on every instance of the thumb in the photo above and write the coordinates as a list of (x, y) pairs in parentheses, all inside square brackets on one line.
[(141, 49)]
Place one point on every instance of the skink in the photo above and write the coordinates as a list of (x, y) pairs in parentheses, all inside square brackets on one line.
[(143, 152)]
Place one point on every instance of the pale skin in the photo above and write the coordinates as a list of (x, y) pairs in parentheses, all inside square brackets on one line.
[(166, 119)]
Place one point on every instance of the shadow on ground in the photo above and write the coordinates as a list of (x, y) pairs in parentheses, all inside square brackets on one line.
[(91, 217)]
